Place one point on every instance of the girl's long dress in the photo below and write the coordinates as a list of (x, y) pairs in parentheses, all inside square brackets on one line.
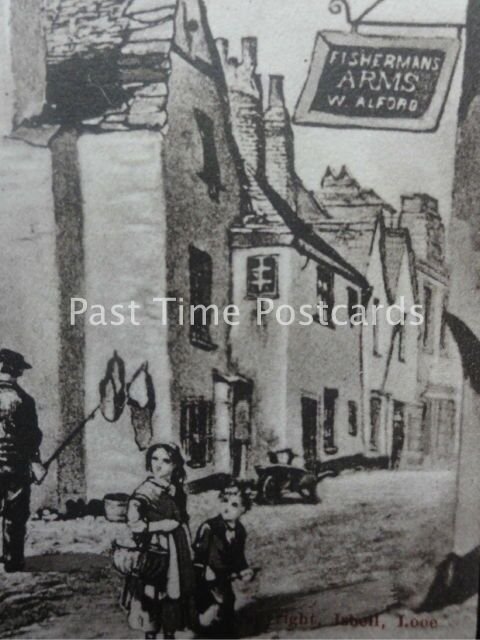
[(150, 607)]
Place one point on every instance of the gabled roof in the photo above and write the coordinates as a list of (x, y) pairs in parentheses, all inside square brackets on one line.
[(342, 197), (280, 217), (352, 240), (308, 207)]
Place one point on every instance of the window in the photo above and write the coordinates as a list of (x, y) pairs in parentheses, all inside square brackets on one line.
[(329, 408), (210, 172), (325, 293), (262, 277), (352, 418), (309, 432), (443, 328), (201, 298), (352, 302), (401, 342), (376, 329), (196, 431), (428, 328)]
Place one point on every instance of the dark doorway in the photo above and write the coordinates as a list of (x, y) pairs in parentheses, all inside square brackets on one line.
[(398, 433), (196, 431), (375, 417), (242, 428), (309, 432), (330, 409)]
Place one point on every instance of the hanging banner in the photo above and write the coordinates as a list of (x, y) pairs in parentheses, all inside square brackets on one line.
[(377, 82)]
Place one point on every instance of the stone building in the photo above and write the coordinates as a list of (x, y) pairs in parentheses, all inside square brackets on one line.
[(121, 133), (401, 255), (306, 393), (439, 366)]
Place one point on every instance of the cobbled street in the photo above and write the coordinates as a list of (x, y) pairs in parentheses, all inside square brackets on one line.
[(386, 529)]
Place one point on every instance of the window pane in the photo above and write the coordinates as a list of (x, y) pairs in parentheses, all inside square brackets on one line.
[(352, 418), (325, 291), (200, 293), (330, 401), (262, 276), (195, 431), (210, 172), (428, 329)]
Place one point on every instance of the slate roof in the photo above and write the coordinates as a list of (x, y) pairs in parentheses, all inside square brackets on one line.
[(271, 213), (352, 240)]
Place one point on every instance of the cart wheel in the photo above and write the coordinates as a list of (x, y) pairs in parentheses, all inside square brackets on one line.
[(310, 494), (270, 491)]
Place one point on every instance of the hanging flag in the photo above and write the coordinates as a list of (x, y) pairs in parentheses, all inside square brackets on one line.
[(112, 389), (141, 400), (377, 82)]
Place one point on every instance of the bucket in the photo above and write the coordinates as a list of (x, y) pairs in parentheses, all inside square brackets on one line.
[(115, 505)]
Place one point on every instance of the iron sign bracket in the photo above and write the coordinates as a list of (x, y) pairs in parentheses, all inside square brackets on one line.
[(338, 6)]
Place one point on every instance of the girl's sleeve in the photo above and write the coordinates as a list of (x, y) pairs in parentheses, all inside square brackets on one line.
[(135, 518)]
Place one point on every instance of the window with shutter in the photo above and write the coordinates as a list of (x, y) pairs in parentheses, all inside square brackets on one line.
[(196, 431)]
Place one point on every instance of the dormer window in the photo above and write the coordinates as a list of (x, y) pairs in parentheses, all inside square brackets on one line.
[(210, 172), (325, 294), (262, 277)]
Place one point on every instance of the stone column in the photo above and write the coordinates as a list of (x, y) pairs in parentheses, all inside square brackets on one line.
[(22, 63)]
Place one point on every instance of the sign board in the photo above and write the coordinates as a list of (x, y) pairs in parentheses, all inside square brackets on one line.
[(377, 82)]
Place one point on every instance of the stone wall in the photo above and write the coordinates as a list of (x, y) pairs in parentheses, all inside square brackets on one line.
[(124, 238), (108, 62)]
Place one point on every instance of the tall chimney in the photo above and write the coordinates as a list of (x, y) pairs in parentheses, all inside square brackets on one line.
[(245, 95), (279, 145)]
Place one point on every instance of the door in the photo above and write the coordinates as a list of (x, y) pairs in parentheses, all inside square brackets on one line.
[(375, 417), (196, 432), (398, 434), (329, 409), (309, 432), (242, 428)]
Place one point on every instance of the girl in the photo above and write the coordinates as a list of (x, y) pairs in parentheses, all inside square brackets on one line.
[(158, 518)]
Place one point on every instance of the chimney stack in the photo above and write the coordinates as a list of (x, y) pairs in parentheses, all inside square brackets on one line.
[(421, 217), (279, 143), (245, 95)]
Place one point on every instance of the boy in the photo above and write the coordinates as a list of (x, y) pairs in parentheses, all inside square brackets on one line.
[(219, 556)]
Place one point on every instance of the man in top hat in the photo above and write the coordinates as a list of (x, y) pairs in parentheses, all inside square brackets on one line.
[(20, 464)]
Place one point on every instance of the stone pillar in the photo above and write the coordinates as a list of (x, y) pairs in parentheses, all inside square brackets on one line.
[(22, 63), (71, 273)]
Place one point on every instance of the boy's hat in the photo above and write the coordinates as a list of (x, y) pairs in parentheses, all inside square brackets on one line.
[(14, 360)]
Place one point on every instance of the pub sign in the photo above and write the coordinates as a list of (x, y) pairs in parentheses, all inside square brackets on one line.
[(377, 82)]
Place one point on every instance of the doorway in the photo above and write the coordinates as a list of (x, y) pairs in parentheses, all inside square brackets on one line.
[(398, 434), (309, 432), (241, 428)]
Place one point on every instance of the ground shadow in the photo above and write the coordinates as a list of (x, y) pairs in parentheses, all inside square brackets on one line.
[(67, 563), (455, 581)]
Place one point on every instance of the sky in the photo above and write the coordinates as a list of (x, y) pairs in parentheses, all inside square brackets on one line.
[(393, 163)]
